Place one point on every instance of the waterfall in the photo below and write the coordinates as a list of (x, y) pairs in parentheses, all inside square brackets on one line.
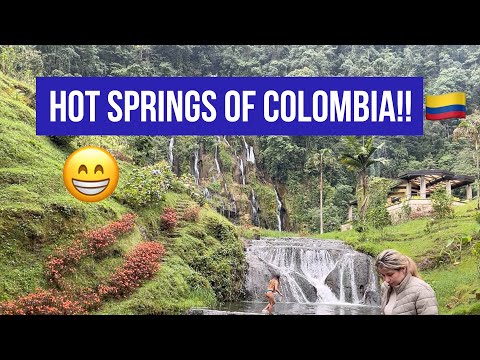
[(347, 277), (207, 194), (254, 208), (216, 159), (222, 211), (225, 139), (370, 292), (311, 271), (251, 158), (242, 171), (249, 155), (195, 167), (279, 210), (170, 151), (383, 154), (233, 204)]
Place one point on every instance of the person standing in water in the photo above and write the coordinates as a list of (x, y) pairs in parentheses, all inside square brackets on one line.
[(272, 288)]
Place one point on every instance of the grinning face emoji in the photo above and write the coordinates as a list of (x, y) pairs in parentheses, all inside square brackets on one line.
[(90, 173)]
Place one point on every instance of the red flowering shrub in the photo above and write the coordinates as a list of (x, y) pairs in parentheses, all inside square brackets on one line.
[(43, 302), (168, 220), (191, 213), (93, 241), (65, 260), (141, 264), (89, 299), (52, 302), (107, 235)]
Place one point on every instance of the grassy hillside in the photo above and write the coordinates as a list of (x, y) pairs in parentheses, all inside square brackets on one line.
[(204, 264), (38, 215), (434, 245), (36, 211)]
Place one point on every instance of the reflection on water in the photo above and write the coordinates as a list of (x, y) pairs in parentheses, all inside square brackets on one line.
[(302, 309)]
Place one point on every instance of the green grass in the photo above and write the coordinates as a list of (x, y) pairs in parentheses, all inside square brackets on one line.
[(420, 241), (91, 271), (416, 240), (37, 215), (413, 237), (448, 281), (175, 288), (193, 259)]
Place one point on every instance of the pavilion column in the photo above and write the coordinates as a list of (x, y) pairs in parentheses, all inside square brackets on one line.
[(409, 190), (448, 187), (350, 213), (469, 192), (423, 187)]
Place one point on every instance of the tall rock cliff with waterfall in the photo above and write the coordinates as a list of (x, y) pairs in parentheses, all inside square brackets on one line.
[(226, 171)]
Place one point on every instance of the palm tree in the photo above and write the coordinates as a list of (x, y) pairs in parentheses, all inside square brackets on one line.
[(469, 128), (318, 160), (359, 159)]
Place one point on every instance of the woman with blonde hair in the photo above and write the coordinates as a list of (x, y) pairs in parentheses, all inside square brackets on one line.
[(403, 292)]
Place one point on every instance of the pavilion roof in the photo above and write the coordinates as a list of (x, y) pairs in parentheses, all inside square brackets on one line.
[(434, 179)]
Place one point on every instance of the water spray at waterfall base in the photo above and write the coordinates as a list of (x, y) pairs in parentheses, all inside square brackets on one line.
[(312, 271)]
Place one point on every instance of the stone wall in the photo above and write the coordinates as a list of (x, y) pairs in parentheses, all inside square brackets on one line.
[(345, 227), (420, 208)]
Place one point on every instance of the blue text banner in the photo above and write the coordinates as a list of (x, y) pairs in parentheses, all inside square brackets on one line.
[(229, 106)]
